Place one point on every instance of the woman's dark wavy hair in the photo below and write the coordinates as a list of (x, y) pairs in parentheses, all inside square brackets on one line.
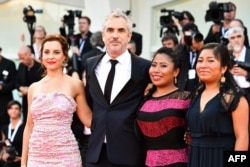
[(230, 92), (175, 58)]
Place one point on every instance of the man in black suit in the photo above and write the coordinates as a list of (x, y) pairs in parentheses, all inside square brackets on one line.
[(80, 43), (29, 71), (7, 85), (187, 78), (112, 141)]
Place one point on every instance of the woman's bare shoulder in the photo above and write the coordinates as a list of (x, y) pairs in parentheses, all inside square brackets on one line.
[(75, 84)]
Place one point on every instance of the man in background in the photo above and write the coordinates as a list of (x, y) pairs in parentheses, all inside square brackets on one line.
[(29, 71), (80, 43), (170, 41)]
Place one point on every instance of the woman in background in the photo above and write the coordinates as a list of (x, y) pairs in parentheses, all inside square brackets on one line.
[(39, 35)]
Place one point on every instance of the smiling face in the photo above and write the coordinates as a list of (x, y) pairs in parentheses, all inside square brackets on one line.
[(162, 71), (116, 36), (208, 68), (52, 55)]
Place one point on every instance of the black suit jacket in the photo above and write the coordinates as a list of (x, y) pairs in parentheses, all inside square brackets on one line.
[(247, 62), (116, 120), (7, 79), (137, 38), (182, 79), (22, 80)]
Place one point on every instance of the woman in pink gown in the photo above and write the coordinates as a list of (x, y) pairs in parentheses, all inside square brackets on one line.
[(48, 139)]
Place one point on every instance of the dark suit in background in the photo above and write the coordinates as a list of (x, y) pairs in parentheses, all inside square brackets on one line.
[(7, 82), (78, 42), (247, 64), (25, 77), (137, 37), (183, 80)]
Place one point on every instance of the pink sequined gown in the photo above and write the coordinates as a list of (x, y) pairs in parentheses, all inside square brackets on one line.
[(52, 143)]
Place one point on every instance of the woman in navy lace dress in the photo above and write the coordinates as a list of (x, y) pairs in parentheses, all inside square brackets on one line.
[(218, 114)]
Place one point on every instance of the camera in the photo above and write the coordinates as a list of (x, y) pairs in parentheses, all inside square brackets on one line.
[(241, 64), (189, 36), (167, 22), (69, 19), (10, 149), (216, 11), (29, 14)]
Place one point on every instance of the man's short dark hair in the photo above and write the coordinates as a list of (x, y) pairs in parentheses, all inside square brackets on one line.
[(170, 36), (87, 18), (190, 26)]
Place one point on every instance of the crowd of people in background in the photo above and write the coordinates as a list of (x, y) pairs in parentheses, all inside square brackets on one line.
[(105, 105)]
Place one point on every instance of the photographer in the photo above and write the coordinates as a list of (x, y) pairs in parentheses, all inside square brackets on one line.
[(239, 23), (218, 30), (80, 43), (240, 58), (182, 19), (12, 136), (187, 78)]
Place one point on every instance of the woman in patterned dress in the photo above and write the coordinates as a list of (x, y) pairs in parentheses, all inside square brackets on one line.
[(48, 139), (161, 117)]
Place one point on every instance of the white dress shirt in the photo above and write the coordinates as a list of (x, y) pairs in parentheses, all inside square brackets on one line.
[(122, 72)]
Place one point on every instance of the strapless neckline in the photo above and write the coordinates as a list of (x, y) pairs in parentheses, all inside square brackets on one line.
[(41, 95)]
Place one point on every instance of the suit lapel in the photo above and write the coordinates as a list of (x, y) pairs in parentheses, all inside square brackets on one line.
[(132, 82), (92, 79)]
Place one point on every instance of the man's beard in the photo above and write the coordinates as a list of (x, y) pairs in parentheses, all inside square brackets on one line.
[(237, 47)]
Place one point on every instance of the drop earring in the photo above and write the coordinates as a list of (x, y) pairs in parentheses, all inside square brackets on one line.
[(222, 79), (175, 80)]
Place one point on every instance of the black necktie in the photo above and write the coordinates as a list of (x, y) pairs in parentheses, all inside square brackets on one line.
[(110, 79)]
